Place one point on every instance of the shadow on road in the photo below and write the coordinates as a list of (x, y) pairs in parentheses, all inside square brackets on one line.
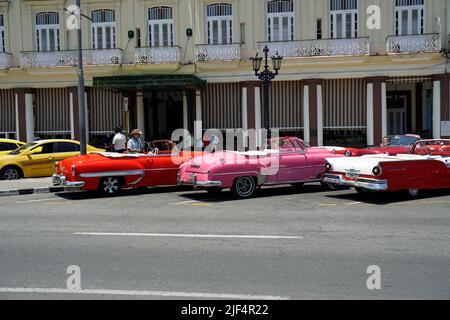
[(87, 195), (386, 198), (265, 192)]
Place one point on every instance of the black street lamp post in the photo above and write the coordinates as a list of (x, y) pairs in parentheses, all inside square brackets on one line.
[(266, 76)]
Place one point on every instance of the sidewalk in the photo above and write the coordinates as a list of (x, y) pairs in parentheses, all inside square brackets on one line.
[(28, 186)]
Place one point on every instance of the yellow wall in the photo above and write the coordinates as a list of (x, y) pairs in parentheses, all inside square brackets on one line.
[(130, 14)]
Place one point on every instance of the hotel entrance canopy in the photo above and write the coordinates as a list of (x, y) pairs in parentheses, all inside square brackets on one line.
[(151, 82)]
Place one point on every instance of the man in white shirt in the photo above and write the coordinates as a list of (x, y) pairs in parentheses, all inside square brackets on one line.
[(119, 141)]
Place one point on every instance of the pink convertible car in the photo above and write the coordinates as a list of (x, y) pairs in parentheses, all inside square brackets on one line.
[(288, 162)]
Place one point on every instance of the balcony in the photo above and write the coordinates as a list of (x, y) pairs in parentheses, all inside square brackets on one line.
[(158, 55), (218, 52), (69, 58), (414, 43), (318, 48), (5, 60)]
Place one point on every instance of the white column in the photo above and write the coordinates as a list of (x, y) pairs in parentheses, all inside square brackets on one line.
[(306, 126), (259, 138), (16, 100), (436, 109), (198, 126), (29, 116), (257, 108), (244, 109), (383, 110), (319, 116), (370, 123), (185, 112), (72, 121), (140, 111)]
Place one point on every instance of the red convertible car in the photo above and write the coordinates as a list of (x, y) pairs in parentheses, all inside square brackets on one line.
[(288, 162), (109, 173), (392, 145), (427, 168)]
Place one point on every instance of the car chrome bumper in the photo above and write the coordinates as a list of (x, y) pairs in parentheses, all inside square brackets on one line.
[(60, 180), (365, 183), (198, 184)]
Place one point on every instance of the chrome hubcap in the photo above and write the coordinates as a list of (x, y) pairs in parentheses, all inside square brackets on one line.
[(245, 186), (11, 174), (111, 185)]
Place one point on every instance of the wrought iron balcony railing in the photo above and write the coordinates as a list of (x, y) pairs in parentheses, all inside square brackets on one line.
[(157, 55), (218, 52), (321, 47), (5, 60), (45, 59), (414, 43)]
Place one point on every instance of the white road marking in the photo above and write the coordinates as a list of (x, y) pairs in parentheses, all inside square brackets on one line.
[(38, 200), (184, 202), (144, 293), (167, 235), (353, 203)]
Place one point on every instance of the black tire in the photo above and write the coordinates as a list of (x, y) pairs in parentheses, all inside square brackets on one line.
[(361, 190), (11, 173), (244, 187), (110, 186), (413, 193), (214, 190), (330, 187)]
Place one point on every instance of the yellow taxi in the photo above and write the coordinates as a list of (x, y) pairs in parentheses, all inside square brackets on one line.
[(7, 145), (37, 159)]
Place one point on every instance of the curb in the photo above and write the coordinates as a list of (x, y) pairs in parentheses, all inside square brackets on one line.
[(16, 192)]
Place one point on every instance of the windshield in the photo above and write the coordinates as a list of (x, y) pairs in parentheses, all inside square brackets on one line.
[(22, 148), (397, 141)]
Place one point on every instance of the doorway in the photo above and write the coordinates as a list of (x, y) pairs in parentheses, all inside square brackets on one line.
[(398, 112)]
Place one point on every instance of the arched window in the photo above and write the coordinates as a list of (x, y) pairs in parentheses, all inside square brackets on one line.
[(47, 31), (344, 18), (103, 29), (280, 20), (409, 17), (2, 34), (160, 27), (219, 23)]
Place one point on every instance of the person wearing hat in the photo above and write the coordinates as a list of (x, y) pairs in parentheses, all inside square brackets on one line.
[(135, 144)]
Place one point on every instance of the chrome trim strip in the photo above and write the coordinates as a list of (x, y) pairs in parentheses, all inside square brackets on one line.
[(112, 174), (232, 173)]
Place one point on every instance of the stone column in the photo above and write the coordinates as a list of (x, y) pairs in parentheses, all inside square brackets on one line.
[(24, 108), (198, 125), (140, 112), (313, 112), (441, 107), (376, 110)]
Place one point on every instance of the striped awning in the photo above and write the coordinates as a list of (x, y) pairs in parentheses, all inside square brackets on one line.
[(150, 82)]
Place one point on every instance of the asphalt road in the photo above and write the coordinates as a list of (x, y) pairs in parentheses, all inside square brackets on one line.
[(182, 244)]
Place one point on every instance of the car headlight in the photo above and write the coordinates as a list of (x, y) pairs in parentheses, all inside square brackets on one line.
[(328, 167), (377, 171)]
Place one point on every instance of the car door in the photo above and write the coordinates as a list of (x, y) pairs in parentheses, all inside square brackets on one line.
[(163, 171), (39, 161), (292, 164), (64, 150)]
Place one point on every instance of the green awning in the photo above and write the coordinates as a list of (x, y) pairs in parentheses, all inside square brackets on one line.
[(150, 82)]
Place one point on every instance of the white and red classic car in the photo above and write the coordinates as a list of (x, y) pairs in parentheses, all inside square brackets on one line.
[(288, 162), (426, 167)]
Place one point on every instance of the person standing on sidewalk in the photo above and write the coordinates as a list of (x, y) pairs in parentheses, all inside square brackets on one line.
[(119, 141)]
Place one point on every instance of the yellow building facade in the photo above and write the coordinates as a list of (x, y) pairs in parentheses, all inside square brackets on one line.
[(353, 70)]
